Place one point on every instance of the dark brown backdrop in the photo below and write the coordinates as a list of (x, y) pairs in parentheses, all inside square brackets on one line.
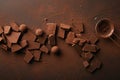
[(69, 65)]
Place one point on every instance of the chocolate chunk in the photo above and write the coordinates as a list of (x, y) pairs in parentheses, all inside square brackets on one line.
[(78, 35), (70, 37), (42, 39), (44, 49), (3, 46), (23, 43), (82, 42), (95, 64), (1, 30), (93, 40), (29, 36), (51, 40), (36, 55), (61, 33), (65, 26), (15, 48), (33, 45), (89, 48), (51, 28), (76, 40), (14, 26), (28, 56), (86, 64), (7, 29), (9, 44), (87, 56), (13, 37), (78, 28)]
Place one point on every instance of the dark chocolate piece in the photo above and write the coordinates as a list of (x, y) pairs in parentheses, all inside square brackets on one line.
[(51, 28), (28, 56), (29, 36), (7, 29), (13, 37), (23, 43), (33, 45), (61, 33), (87, 56), (70, 37), (1, 30), (89, 48), (65, 26), (52, 40), (15, 48), (36, 55), (44, 49), (14, 26)]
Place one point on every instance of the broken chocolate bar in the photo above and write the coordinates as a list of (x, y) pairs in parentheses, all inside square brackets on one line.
[(51, 28), (87, 56), (15, 48), (51, 40), (70, 37), (65, 26), (28, 56), (89, 48), (14, 26), (13, 37), (61, 33), (36, 55), (29, 36), (33, 45), (7, 29), (44, 49)]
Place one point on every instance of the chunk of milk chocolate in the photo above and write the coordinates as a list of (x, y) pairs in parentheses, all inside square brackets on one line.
[(70, 37), (14, 26), (28, 56), (51, 28), (65, 26), (7, 29), (44, 49), (61, 33)]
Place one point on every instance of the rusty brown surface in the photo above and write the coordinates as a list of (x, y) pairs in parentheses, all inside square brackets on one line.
[(69, 65)]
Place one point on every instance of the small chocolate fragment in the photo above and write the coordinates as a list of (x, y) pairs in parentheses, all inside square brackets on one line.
[(13, 37), (54, 49), (9, 44), (23, 43), (76, 40), (89, 48), (29, 36), (61, 33), (33, 45), (42, 39), (78, 35), (15, 48), (22, 28), (95, 64), (7, 29), (44, 49), (87, 56), (36, 55), (1, 30), (38, 32), (14, 26), (93, 40), (86, 64), (79, 28), (82, 42), (65, 26), (51, 40), (51, 28), (28, 56), (70, 37)]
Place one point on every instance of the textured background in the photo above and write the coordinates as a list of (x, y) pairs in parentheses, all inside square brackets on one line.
[(69, 65)]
